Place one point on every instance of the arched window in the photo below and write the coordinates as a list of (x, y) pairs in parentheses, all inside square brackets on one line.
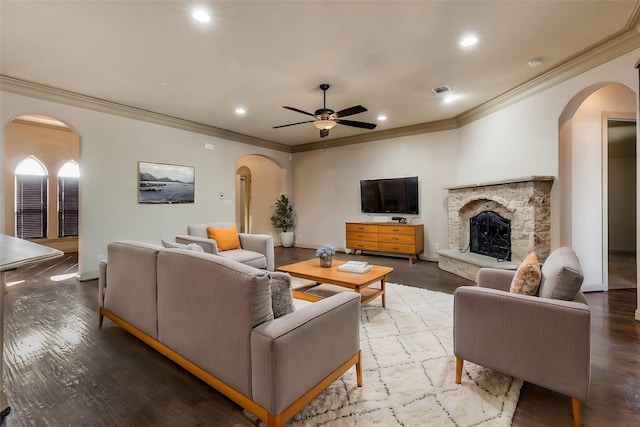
[(31, 199), (68, 178)]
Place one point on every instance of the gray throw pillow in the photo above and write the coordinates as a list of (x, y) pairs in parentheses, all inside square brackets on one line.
[(173, 245), (281, 296), (561, 275)]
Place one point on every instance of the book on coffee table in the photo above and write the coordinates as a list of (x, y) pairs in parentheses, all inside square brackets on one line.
[(355, 267)]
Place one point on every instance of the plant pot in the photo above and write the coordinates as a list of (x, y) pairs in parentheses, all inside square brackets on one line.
[(287, 238), (325, 261)]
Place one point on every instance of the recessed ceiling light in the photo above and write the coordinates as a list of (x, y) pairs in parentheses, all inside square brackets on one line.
[(241, 111), (201, 16), (382, 117), (535, 62), (450, 98), (468, 40)]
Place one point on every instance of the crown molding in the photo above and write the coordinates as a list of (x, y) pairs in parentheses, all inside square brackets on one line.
[(53, 94), (634, 19), (612, 47)]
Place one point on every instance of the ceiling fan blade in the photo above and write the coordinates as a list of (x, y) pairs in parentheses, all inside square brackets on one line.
[(324, 132), (293, 124), (351, 111), (356, 124), (298, 111)]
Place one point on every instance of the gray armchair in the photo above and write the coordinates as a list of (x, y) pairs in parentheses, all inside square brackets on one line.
[(539, 339), (257, 249)]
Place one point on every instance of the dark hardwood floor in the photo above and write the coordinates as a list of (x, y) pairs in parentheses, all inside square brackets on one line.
[(61, 371)]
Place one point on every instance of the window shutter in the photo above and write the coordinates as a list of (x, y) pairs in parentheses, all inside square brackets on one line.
[(67, 206), (31, 206)]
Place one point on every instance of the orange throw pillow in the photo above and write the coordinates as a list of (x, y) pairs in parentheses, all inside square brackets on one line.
[(226, 238), (527, 277)]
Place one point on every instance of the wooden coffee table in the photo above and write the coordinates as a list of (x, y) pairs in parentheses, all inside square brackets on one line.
[(359, 282)]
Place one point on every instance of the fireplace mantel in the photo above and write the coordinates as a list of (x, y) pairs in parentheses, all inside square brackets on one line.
[(525, 201), (502, 182)]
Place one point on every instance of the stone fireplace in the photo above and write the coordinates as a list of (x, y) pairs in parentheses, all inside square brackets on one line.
[(497, 224)]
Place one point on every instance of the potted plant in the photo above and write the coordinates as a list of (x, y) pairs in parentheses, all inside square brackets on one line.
[(284, 219), (325, 253)]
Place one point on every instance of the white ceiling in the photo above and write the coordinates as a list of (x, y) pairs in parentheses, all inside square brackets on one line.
[(262, 55)]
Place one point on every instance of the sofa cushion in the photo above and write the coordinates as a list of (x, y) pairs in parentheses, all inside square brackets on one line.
[(561, 275), (254, 259), (226, 238), (281, 296), (173, 245), (527, 278)]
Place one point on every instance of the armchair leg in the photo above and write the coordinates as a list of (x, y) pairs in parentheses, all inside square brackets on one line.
[(459, 363), (576, 405)]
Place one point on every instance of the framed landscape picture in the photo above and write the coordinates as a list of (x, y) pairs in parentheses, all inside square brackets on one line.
[(162, 183)]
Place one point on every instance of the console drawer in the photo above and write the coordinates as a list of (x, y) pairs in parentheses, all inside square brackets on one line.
[(362, 245), (396, 229), (362, 228), (396, 248), (356, 235), (397, 238)]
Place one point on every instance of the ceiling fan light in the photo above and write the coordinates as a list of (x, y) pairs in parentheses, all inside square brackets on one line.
[(324, 124)]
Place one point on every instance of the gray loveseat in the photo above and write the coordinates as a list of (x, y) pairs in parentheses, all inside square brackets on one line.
[(257, 249), (214, 317), (542, 339)]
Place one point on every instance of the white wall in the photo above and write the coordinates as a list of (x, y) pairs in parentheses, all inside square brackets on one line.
[(518, 141), (111, 147), (327, 185)]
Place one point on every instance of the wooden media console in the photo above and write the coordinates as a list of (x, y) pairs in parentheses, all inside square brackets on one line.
[(386, 237)]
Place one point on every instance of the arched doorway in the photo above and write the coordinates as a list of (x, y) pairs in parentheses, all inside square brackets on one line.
[(243, 194), (583, 175), (259, 181), (57, 148)]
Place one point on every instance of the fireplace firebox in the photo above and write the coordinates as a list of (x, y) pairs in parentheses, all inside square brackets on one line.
[(490, 235)]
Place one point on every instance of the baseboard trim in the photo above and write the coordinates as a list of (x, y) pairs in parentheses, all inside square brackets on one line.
[(596, 287), (88, 275)]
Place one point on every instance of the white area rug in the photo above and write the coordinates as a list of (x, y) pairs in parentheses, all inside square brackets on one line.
[(409, 372)]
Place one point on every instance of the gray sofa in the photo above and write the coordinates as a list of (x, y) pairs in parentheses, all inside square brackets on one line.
[(214, 317), (542, 339), (257, 249)]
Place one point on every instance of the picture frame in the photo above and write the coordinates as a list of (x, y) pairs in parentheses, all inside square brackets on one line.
[(161, 183)]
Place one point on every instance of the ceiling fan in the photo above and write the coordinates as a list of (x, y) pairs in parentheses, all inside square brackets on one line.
[(326, 119)]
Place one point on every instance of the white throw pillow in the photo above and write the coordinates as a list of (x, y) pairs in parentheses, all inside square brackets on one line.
[(173, 245)]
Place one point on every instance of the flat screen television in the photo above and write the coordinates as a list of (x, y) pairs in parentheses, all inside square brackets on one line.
[(391, 195)]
